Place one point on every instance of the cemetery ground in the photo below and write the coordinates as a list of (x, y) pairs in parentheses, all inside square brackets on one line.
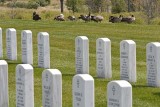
[(62, 52)]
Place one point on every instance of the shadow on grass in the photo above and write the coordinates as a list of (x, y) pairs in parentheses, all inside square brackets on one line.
[(156, 94), (68, 75), (140, 86)]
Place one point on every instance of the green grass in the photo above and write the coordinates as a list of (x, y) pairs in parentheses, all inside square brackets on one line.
[(62, 42)]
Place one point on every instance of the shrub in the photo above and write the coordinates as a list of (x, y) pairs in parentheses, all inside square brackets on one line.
[(32, 5)]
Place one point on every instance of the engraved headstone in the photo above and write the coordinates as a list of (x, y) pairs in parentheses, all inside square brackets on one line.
[(82, 55), (24, 86), (83, 90), (11, 44), (43, 50), (4, 101), (52, 88), (26, 43), (1, 44), (119, 94), (128, 60), (153, 64), (103, 50)]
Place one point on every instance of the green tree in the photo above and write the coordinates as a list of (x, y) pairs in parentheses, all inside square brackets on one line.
[(119, 6), (75, 5)]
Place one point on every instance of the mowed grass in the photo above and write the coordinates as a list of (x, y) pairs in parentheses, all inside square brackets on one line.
[(62, 42)]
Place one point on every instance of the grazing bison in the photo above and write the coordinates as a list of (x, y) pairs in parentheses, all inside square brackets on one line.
[(59, 17), (71, 18), (114, 19), (97, 18), (36, 17)]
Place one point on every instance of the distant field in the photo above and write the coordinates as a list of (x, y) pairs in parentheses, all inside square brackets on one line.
[(62, 42)]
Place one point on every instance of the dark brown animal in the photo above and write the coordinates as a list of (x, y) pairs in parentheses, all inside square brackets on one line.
[(114, 19), (36, 17), (128, 19), (71, 18)]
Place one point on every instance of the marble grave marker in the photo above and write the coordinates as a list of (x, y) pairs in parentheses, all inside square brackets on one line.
[(26, 45), (43, 50), (11, 44), (128, 60), (119, 94), (103, 55), (52, 88), (82, 55), (4, 101), (24, 86), (1, 44), (153, 64), (83, 90)]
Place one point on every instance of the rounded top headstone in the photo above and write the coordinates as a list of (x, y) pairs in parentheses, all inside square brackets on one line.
[(82, 37), (27, 31), (3, 62), (43, 33), (121, 83), (85, 77), (53, 71), (128, 41), (104, 39), (154, 43), (11, 29), (25, 66)]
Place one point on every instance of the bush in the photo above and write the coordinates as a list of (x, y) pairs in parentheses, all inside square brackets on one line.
[(32, 5)]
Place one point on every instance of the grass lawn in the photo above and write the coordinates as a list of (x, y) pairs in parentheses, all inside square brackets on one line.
[(62, 42)]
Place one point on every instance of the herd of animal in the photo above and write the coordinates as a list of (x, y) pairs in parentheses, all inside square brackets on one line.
[(90, 17)]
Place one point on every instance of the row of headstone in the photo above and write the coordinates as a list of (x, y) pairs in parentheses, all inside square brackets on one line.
[(103, 56), (119, 93), (26, 47), (127, 59), (51, 86)]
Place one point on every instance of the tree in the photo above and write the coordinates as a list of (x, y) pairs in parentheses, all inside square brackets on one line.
[(98, 5), (151, 9), (61, 3), (119, 6), (75, 5)]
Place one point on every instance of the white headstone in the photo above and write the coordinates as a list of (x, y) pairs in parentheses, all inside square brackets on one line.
[(11, 44), (27, 50), (24, 86), (43, 50), (1, 44), (4, 101), (128, 60), (82, 55), (153, 64), (52, 88), (83, 90), (103, 50), (119, 94)]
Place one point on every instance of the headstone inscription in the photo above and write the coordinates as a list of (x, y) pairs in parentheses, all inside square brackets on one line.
[(43, 50), (24, 86), (83, 90), (153, 64), (82, 55), (103, 54), (1, 44), (119, 94), (4, 101), (52, 88), (11, 44), (128, 60), (27, 50)]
